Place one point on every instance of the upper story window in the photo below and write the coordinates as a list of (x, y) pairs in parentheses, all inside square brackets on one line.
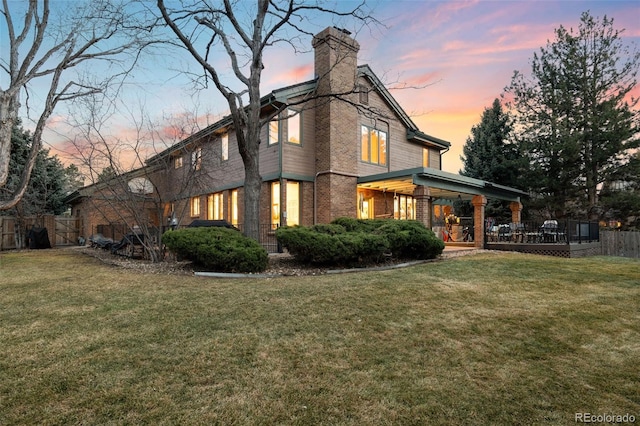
[(196, 159), (274, 132), (363, 93), (177, 162), (293, 127), (425, 157), (373, 146), (225, 147)]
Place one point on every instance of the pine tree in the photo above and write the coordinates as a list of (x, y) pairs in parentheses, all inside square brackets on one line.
[(46, 188), (488, 154), (576, 121)]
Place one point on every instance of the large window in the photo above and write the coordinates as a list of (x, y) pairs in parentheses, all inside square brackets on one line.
[(215, 206), (404, 207), (373, 146), (225, 147), (274, 132), (195, 206), (292, 212), (425, 157), (234, 207), (293, 127), (293, 203)]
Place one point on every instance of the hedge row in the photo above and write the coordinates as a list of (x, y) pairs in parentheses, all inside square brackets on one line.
[(347, 241), (218, 249)]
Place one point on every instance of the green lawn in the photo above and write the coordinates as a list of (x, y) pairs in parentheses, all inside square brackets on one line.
[(482, 339)]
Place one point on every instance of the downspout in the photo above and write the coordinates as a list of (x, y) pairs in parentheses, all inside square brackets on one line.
[(443, 153), (315, 189), (283, 211)]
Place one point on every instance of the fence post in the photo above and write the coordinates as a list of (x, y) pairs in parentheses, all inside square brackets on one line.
[(579, 232)]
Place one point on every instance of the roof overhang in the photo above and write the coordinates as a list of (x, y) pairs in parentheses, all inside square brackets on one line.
[(441, 184)]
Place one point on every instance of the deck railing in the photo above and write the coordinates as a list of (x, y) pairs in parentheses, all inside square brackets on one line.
[(546, 232)]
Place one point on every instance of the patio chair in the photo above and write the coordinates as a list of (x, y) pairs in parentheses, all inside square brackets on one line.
[(492, 233), (549, 230), (517, 232), (504, 232)]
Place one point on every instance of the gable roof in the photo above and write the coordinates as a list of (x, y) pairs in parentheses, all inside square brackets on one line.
[(280, 97), (413, 133)]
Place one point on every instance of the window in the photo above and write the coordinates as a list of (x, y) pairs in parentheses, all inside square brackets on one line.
[(364, 95), (293, 203), (195, 206), (293, 127), (215, 206), (196, 159), (365, 207), (425, 157), (404, 207), (373, 146), (274, 132), (275, 205), (292, 212), (234, 207), (225, 147), (177, 162)]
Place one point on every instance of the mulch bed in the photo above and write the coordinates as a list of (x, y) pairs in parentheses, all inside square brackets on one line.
[(279, 264)]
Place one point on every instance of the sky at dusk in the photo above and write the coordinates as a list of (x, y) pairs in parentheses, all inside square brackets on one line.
[(457, 56)]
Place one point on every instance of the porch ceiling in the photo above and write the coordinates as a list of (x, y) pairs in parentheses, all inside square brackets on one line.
[(441, 185), (406, 187)]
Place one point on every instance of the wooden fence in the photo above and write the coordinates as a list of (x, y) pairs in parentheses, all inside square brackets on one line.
[(620, 243), (62, 230)]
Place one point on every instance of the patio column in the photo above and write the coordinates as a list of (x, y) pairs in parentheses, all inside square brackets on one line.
[(479, 202), (516, 211), (422, 197)]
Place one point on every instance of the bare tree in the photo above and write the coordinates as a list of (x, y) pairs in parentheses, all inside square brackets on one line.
[(243, 31), (44, 46), (133, 196)]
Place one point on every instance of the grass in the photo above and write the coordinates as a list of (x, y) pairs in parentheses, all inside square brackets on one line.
[(483, 339)]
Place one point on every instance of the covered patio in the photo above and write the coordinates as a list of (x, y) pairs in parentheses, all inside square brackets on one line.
[(432, 190)]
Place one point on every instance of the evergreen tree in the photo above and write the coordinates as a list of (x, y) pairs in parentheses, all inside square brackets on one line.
[(620, 196), (489, 155), (576, 121), (47, 185), (107, 174)]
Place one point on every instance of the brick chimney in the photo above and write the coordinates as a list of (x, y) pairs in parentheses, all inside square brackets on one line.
[(337, 130)]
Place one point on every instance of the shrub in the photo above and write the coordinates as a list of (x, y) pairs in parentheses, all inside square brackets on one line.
[(310, 245), (409, 239), (331, 244), (347, 241), (218, 249)]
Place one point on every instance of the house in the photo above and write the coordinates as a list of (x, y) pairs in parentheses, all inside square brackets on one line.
[(338, 145)]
